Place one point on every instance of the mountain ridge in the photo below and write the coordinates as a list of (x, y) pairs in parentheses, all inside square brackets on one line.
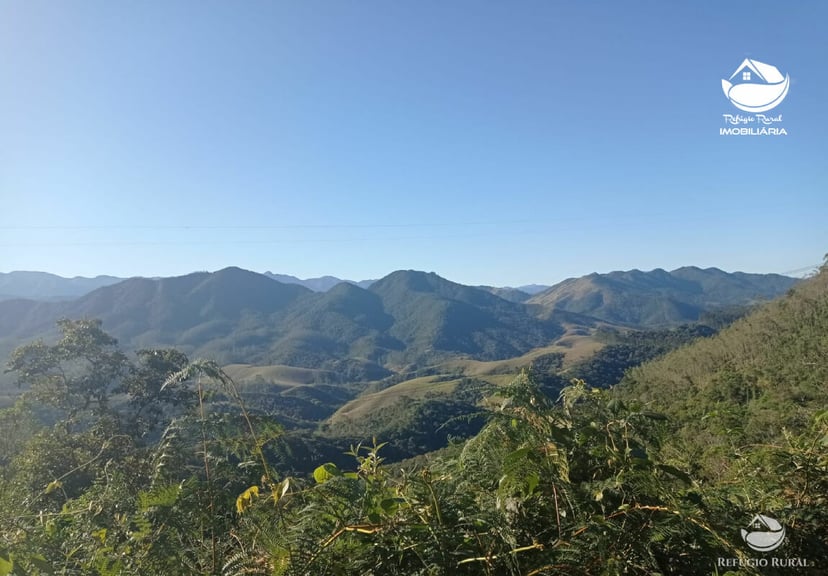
[(236, 315), (729, 390), (403, 321), (46, 286), (658, 297)]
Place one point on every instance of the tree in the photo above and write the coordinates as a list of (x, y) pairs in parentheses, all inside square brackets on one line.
[(78, 375), (135, 469), (89, 380), (153, 397)]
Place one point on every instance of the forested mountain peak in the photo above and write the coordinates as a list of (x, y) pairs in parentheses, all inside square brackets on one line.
[(658, 297), (235, 315), (414, 280), (402, 282)]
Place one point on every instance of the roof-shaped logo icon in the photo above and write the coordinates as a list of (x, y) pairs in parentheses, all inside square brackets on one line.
[(756, 86), (765, 533)]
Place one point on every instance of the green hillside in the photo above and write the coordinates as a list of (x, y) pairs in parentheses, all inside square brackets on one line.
[(658, 298), (432, 314), (235, 316), (756, 381), (157, 465)]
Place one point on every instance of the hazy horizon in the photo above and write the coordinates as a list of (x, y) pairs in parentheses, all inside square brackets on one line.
[(492, 143), (797, 273)]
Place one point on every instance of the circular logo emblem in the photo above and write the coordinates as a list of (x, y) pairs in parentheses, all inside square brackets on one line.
[(756, 86), (765, 534)]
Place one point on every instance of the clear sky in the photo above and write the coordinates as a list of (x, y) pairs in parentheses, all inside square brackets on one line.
[(489, 141)]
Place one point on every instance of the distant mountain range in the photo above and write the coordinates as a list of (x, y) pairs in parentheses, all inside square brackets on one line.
[(238, 316), (45, 286), (658, 298), (406, 319), (321, 284)]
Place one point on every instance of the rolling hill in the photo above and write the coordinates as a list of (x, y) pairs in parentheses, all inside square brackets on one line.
[(184, 310), (238, 316), (51, 288), (403, 320), (411, 347), (432, 314), (658, 298)]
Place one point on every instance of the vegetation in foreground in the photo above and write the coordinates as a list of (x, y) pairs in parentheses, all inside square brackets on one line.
[(154, 466)]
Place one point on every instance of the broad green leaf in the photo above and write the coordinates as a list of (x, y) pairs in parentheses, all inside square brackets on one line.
[(325, 472)]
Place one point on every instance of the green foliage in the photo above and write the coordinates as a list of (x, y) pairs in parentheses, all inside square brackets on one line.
[(745, 386), (625, 350), (100, 488), (413, 426), (157, 466), (151, 398), (77, 374), (582, 486), (576, 488)]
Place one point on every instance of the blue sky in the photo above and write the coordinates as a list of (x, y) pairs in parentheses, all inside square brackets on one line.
[(490, 142)]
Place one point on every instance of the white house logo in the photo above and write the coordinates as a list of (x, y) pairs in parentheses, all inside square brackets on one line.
[(765, 534), (754, 89), (756, 86)]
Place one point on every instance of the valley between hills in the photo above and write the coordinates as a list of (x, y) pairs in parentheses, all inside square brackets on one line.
[(349, 360), (229, 423)]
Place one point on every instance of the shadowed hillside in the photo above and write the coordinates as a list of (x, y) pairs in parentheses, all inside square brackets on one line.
[(238, 316), (431, 313)]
